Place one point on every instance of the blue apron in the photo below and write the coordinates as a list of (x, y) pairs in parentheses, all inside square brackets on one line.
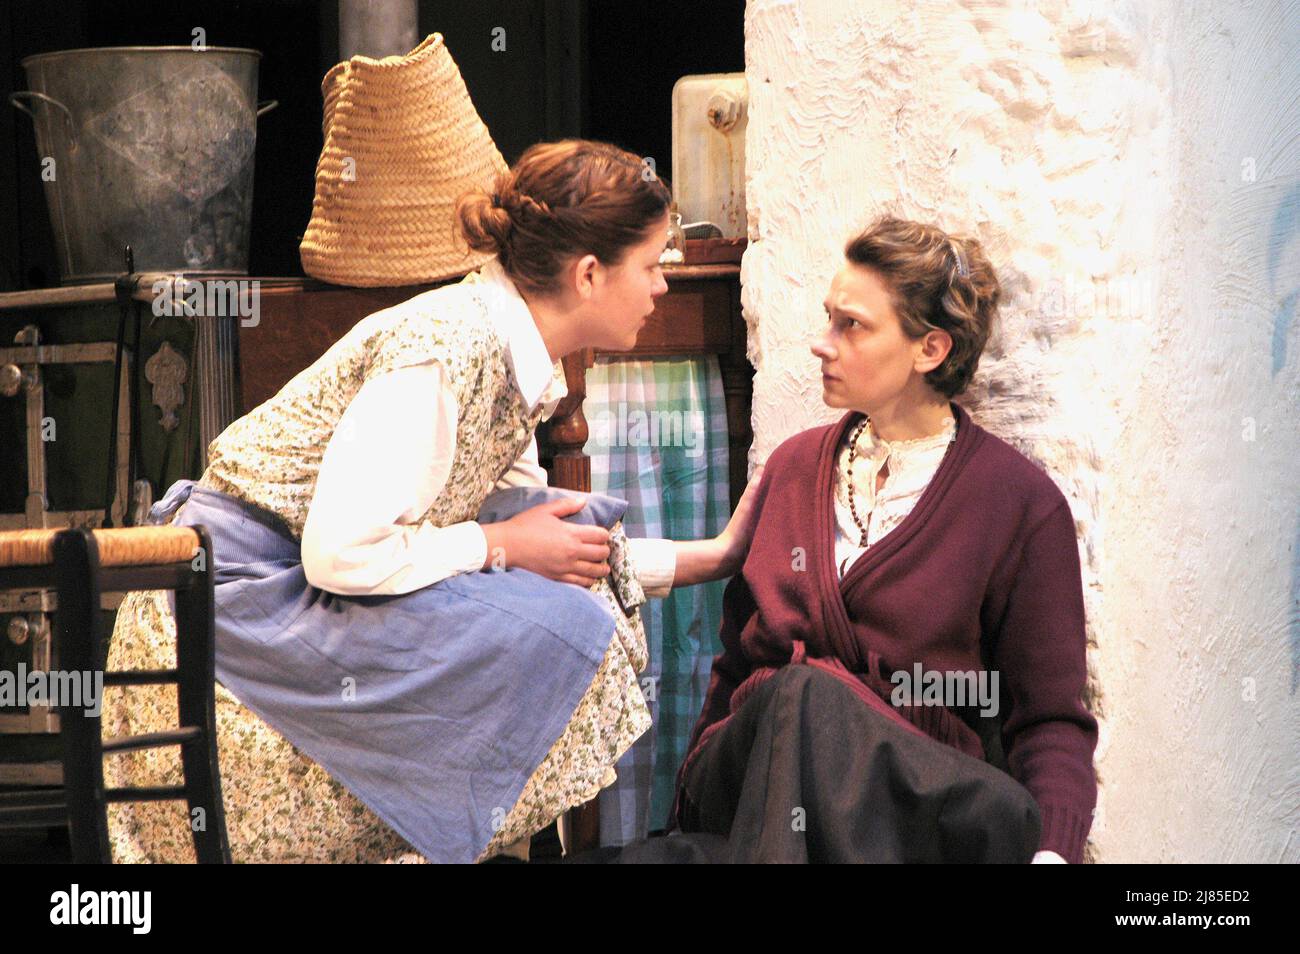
[(433, 707)]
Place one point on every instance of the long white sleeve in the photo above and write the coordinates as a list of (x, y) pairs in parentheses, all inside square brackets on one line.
[(386, 463), (656, 564)]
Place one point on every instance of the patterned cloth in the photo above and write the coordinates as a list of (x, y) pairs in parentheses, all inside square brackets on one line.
[(658, 439), (429, 739), (272, 455)]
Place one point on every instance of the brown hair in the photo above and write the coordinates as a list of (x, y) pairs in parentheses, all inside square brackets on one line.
[(936, 281), (563, 199)]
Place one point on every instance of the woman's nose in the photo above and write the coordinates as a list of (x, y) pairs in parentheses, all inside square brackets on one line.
[(822, 349), (661, 286)]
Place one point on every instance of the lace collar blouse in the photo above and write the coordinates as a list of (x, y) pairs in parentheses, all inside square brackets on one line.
[(912, 464)]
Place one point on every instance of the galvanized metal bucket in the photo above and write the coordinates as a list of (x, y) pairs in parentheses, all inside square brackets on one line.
[(150, 146)]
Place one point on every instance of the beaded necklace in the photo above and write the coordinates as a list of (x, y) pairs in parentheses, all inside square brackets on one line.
[(853, 489)]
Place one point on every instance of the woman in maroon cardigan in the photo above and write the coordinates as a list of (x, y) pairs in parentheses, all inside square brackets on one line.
[(948, 562)]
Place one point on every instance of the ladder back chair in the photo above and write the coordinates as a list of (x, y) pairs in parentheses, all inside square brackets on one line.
[(80, 565)]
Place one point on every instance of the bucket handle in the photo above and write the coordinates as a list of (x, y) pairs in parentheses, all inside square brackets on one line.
[(17, 98), (265, 106)]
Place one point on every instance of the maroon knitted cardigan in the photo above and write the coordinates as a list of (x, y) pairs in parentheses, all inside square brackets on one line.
[(984, 570)]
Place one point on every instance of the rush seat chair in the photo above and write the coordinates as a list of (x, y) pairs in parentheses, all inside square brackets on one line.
[(80, 565)]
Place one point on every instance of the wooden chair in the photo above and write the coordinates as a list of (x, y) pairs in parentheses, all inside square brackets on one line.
[(79, 565)]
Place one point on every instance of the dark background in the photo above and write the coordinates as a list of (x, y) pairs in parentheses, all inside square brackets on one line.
[(599, 69)]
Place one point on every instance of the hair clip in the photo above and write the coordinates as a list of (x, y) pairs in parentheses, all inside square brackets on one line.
[(962, 268)]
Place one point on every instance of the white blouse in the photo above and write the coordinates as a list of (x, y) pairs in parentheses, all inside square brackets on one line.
[(912, 464), (389, 458)]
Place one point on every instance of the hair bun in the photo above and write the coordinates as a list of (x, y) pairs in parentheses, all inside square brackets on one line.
[(484, 221), (519, 204), (560, 201)]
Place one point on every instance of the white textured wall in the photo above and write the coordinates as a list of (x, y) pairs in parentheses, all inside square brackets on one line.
[(1103, 152)]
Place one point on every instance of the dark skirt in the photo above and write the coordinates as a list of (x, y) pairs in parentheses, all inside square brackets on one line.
[(805, 772)]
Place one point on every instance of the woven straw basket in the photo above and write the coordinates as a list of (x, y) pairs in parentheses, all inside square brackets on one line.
[(402, 143)]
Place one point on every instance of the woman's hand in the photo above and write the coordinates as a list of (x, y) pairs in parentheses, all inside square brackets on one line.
[(735, 539), (538, 539)]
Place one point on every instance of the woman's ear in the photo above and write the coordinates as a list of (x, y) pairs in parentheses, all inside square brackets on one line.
[(583, 276), (935, 347)]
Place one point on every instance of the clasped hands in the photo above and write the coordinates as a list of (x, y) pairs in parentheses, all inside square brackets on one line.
[(541, 540)]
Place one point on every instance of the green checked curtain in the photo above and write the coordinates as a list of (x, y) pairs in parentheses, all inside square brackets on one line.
[(658, 439)]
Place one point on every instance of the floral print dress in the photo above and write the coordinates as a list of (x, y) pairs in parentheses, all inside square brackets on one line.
[(281, 806)]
